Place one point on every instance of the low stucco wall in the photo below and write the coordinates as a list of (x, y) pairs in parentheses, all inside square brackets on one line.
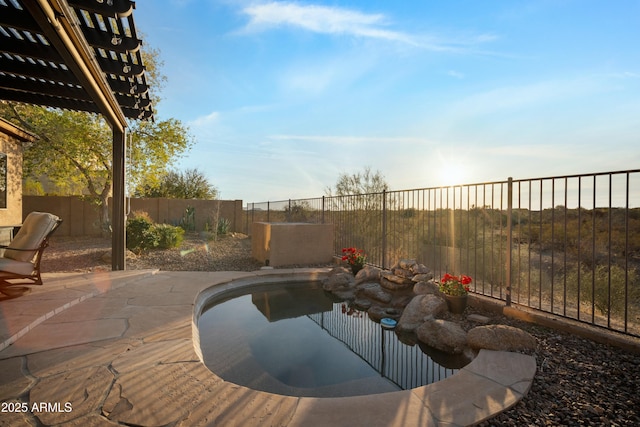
[(292, 243)]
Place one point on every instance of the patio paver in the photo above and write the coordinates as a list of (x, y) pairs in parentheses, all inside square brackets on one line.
[(118, 347)]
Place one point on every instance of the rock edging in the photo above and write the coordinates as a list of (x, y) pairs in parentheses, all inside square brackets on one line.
[(409, 294)]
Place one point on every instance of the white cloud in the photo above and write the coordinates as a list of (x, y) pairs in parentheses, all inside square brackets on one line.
[(207, 120), (319, 19), (342, 21)]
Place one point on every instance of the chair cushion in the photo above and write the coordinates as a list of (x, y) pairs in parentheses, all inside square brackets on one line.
[(13, 266), (35, 228)]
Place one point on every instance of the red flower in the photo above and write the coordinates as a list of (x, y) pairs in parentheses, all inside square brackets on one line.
[(454, 285), (354, 256), (465, 280)]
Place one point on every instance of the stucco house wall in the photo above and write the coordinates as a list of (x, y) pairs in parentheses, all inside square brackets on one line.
[(11, 140)]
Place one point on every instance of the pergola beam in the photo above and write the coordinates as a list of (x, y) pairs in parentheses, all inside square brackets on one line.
[(61, 32)]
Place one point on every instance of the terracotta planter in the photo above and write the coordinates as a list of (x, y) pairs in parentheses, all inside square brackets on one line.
[(456, 303), (355, 268)]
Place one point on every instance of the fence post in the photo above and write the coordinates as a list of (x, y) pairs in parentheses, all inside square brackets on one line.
[(289, 213), (323, 209), (268, 211), (253, 218), (384, 228), (509, 239)]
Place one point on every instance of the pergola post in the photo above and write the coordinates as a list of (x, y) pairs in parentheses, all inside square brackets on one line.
[(118, 214)]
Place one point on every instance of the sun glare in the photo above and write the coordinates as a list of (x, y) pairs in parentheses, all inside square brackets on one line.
[(452, 171)]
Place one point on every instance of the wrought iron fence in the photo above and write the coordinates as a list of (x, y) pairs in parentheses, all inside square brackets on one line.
[(567, 245)]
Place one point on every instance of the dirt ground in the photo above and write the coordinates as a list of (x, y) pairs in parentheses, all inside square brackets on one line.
[(86, 254)]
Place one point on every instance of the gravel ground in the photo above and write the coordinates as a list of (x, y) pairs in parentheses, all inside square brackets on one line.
[(83, 254), (579, 382)]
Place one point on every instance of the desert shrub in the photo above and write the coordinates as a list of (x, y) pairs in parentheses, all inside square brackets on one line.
[(298, 211), (188, 220), (140, 234), (167, 236), (223, 226), (594, 287), (143, 235)]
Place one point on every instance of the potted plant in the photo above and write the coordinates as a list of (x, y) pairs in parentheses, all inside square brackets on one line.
[(355, 258), (455, 290)]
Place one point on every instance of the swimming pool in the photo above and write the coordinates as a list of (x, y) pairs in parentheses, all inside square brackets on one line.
[(292, 338)]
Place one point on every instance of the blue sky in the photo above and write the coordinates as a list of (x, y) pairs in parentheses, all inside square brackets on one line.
[(282, 97)]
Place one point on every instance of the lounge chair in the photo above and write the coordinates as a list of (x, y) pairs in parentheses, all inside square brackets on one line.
[(20, 263)]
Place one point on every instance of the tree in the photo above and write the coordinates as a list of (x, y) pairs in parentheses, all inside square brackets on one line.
[(75, 147), (361, 190), (365, 182), (190, 184), (361, 194)]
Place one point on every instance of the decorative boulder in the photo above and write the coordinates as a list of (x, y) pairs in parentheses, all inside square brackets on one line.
[(362, 304), (501, 338), (429, 287), (422, 277), (368, 274), (401, 300), (338, 279), (394, 285), (402, 272), (374, 291), (400, 280), (421, 269), (377, 313), (339, 271), (407, 264), (345, 294), (443, 335), (420, 308)]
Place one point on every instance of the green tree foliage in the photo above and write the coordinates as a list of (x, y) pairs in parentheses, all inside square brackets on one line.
[(189, 184)]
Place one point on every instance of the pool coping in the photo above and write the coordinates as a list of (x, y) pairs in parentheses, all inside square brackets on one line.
[(491, 383), (126, 354)]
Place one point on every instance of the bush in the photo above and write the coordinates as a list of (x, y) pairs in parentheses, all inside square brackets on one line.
[(599, 278), (144, 235), (168, 236), (223, 226), (188, 220), (140, 234)]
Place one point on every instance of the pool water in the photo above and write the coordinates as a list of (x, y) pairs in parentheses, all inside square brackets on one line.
[(295, 339)]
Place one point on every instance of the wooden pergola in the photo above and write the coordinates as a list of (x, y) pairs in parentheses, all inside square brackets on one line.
[(81, 55)]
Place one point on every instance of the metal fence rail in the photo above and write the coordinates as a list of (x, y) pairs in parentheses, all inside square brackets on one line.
[(567, 245)]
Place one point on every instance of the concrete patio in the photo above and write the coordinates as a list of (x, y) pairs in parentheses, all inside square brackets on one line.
[(115, 348)]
